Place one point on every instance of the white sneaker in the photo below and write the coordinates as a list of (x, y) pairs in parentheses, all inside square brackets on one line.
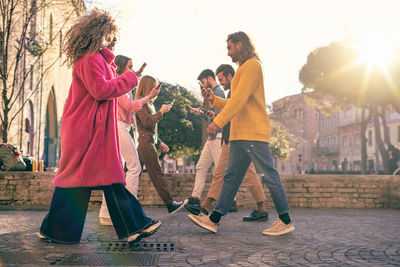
[(105, 221), (42, 237), (132, 239), (151, 229), (279, 228)]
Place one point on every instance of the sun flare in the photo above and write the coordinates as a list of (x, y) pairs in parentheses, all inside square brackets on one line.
[(377, 50)]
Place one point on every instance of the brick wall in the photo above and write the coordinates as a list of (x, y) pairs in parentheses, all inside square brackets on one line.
[(309, 191)]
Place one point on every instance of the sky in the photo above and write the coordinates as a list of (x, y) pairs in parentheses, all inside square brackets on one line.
[(180, 38)]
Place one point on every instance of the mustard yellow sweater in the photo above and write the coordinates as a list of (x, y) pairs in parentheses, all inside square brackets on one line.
[(246, 108)]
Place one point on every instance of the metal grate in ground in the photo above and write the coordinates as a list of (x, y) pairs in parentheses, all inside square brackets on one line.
[(111, 259), (12, 257), (141, 246)]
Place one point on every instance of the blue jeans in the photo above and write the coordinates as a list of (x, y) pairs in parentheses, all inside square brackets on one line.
[(66, 217), (241, 153)]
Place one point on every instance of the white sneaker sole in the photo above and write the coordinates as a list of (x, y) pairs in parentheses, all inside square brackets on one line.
[(42, 237), (134, 238), (202, 225), (181, 207), (151, 230)]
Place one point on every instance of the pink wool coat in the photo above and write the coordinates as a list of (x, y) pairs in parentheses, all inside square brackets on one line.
[(90, 154)]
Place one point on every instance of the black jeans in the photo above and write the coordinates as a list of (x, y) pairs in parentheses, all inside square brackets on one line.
[(66, 217)]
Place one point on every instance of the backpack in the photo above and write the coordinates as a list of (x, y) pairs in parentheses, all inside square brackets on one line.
[(10, 158)]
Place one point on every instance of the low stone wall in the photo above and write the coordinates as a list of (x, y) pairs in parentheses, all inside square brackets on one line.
[(308, 191)]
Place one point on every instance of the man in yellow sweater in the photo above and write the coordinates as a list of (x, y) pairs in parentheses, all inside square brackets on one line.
[(249, 137)]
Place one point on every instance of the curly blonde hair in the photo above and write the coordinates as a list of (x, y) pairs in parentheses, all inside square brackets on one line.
[(91, 33)]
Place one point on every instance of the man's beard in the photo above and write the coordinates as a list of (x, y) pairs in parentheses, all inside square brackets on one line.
[(236, 57)]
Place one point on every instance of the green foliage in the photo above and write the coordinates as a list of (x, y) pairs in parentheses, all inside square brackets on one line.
[(279, 142), (179, 129)]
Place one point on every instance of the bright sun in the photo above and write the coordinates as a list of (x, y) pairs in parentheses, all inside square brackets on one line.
[(377, 50)]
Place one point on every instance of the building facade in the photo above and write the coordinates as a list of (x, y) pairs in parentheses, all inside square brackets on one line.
[(329, 142), (44, 79), (299, 119)]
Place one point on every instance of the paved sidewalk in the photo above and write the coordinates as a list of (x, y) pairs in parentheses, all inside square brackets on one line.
[(323, 237)]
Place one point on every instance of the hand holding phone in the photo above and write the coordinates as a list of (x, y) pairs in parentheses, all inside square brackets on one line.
[(139, 72), (210, 114), (160, 84), (195, 111), (207, 94), (201, 85), (155, 91)]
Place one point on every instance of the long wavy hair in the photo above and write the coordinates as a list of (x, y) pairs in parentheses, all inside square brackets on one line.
[(121, 62), (91, 33), (248, 49), (145, 86)]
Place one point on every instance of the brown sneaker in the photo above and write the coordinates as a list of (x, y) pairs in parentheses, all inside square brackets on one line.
[(279, 228), (204, 222)]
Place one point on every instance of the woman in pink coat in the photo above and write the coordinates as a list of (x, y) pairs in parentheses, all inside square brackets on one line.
[(90, 155)]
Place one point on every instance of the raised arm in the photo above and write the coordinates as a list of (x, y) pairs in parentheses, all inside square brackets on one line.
[(147, 119), (93, 74), (130, 105)]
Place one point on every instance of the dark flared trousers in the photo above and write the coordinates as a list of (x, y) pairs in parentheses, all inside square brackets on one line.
[(148, 157), (66, 217)]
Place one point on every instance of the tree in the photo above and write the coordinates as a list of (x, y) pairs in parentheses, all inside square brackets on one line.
[(279, 142), (335, 72), (179, 129), (22, 42)]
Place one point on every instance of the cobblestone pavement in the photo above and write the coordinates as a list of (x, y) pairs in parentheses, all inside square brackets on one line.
[(323, 237)]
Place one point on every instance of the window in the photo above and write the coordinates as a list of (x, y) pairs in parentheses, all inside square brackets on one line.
[(61, 40), (370, 137), (344, 141), (33, 12), (357, 140), (299, 114), (31, 79), (51, 28), (27, 125)]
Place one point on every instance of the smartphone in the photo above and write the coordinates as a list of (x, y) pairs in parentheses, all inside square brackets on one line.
[(203, 110), (142, 67), (159, 85)]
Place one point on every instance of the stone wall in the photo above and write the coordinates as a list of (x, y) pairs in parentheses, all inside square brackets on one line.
[(308, 191)]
